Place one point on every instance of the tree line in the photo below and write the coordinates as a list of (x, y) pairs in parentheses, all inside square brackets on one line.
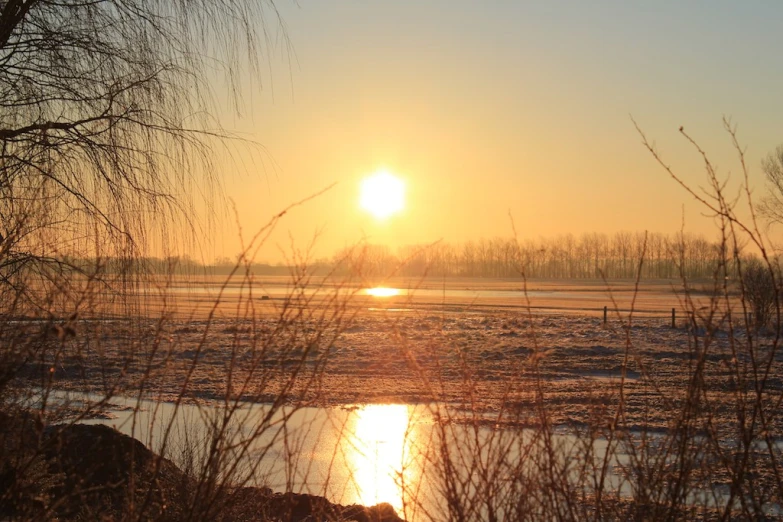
[(588, 256)]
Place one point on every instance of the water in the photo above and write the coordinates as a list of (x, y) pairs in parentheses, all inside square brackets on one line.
[(362, 454), (365, 454)]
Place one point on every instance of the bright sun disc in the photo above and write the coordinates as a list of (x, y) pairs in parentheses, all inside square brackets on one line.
[(382, 194)]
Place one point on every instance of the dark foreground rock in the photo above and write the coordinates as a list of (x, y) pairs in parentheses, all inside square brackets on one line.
[(81, 472)]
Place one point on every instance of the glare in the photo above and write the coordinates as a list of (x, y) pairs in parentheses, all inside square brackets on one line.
[(382, 194), (381, 437), (382, 291)]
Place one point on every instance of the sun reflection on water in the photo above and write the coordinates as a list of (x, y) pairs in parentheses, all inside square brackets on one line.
[(382, 291), (379, 453)]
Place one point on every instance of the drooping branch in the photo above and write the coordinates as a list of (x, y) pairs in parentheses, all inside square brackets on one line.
[(105, 120)]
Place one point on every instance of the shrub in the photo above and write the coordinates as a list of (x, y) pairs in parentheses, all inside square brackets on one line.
[(760, 291)]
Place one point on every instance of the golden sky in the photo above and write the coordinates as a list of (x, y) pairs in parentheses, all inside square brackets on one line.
[(494, 109)]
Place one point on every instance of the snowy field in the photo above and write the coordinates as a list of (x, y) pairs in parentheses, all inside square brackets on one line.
[(381, 367), (494, 347)]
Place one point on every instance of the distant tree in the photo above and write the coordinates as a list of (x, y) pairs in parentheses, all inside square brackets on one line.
[(758, 286), (771, 206)]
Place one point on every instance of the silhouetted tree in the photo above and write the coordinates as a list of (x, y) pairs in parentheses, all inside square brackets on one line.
[(772, 204), (105, 125), (759, 290)]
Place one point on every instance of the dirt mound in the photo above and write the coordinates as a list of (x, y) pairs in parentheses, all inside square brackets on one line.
[(263, 504)]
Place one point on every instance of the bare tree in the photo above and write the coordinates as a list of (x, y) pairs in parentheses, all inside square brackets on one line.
[(772, 204), (758, 284), (105, 120)]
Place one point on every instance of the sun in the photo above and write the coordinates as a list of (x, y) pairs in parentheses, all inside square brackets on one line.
[(382, 194)]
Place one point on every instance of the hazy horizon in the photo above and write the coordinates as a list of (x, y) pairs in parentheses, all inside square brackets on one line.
[(498, 118)]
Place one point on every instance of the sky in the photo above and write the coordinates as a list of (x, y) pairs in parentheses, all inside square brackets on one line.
[(499, 117)]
